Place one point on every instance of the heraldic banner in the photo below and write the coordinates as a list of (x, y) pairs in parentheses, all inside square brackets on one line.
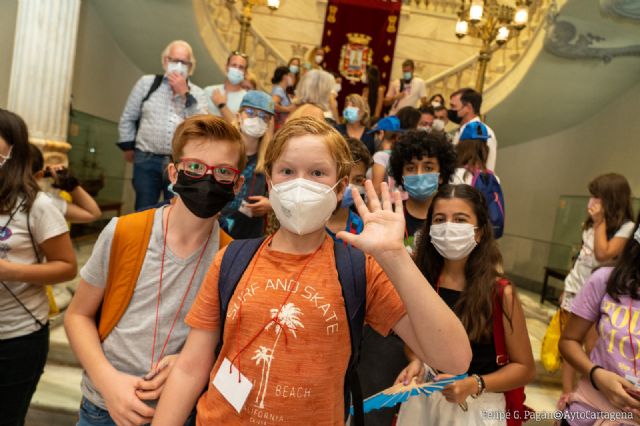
[(358, 33)]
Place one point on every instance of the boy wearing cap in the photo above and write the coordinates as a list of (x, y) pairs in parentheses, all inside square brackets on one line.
[(387, 132), (472, 152), (244, 217)]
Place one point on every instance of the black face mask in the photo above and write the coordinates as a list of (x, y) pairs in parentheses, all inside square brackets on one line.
[(203, 197), (453, 116)]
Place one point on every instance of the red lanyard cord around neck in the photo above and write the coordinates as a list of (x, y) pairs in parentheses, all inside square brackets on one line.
[(274, 319), (184, 298), (633, 352)]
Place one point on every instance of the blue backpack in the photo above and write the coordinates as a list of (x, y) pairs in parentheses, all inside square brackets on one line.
[(351, 266), (487, 183)]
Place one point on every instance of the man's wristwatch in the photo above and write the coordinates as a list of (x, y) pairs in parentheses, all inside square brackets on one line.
[(220, 106)]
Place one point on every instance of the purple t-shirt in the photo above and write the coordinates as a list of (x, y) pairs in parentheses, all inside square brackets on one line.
[(612, 350)]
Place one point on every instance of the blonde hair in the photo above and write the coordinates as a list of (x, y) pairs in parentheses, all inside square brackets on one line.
[(315, 88), (337, 146), (165, 53), (209, 128), (359, 102)]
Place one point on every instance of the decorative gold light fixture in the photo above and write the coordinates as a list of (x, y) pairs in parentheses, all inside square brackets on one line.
[(492, 23), (245, 20)]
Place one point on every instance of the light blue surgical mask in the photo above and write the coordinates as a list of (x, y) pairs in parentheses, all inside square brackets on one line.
[(347, 198), (351, 114), (421, 187), (235, 75), (407, 76), (636, 236), (294, 69)]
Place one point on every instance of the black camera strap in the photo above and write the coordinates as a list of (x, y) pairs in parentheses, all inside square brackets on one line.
[(33, 244)]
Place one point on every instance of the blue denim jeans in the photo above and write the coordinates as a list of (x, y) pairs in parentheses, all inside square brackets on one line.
[(92, 415), (150, 178)]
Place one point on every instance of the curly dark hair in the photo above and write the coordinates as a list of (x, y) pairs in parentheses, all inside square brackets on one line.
[(417, 144)]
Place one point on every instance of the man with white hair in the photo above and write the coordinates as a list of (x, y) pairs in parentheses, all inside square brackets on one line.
[(156, 106)]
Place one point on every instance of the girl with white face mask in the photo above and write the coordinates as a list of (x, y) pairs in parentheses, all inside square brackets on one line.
[(459, 256), (244, 216), (291, 328)]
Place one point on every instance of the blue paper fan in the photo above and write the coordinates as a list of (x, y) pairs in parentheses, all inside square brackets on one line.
[(399, 393)]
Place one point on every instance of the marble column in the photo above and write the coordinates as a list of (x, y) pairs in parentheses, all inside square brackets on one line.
[(42, 70)]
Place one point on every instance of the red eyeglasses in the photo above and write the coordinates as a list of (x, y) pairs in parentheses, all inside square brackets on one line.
[(197, 169)]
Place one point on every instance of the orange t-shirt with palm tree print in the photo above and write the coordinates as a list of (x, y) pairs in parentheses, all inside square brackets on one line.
[(297, 365)]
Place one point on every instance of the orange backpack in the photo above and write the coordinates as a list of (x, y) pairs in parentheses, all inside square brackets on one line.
[(128, 250)]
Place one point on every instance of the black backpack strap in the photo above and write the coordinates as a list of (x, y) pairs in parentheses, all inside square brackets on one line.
[(351, 266), (157, 81), (235, 261)]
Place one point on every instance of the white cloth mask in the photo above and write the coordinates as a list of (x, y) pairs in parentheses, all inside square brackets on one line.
[(254, 127), (303, 206), (177, 67), (454, 241)]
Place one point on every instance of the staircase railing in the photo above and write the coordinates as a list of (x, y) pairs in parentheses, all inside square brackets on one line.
[(504, 58), (225, 20)]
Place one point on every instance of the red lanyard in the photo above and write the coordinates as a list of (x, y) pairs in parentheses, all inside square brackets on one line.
[(184, 298), (633, 352), (274, 319)]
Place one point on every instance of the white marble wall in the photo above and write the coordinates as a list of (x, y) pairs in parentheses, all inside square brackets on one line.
[(42, 67), (426, 37)]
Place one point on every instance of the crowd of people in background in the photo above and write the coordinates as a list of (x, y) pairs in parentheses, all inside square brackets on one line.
[(277, 210)]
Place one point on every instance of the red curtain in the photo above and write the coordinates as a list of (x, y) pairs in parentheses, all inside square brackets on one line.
[(357, 33)]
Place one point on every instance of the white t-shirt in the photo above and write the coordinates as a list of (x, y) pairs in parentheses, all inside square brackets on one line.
[(57, 200), (492, 143), (15, 246), (415, 91), (233, 99), (586, 261)]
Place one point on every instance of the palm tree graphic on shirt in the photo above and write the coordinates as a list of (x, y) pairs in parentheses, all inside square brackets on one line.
[(287, 318)]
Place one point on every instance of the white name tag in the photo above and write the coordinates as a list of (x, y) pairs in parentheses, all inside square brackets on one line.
[(226, 381)]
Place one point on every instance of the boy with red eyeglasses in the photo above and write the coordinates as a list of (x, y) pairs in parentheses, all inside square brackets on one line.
[(143, 275)]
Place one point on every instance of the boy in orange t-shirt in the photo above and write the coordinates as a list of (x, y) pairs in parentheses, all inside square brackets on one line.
[(286, 335)]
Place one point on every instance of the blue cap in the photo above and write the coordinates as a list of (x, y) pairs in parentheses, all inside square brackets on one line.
[(258, 100), (475, 130), (388, 124)]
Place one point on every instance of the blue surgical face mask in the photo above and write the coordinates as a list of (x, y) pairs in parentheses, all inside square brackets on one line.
[(421, 187), (351, 114), (235, 75), (347, 198), (294, 69), (407, 76)]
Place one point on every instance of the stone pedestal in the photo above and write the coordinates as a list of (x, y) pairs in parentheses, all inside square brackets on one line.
[(42, 70)]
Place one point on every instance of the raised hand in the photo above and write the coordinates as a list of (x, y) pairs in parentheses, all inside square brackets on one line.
[(384, 227), (218, 97)]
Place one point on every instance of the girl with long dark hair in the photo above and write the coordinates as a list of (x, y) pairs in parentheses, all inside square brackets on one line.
[(610, 300), (607, 229), (35, 249), (373, 92), (460, 257)]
